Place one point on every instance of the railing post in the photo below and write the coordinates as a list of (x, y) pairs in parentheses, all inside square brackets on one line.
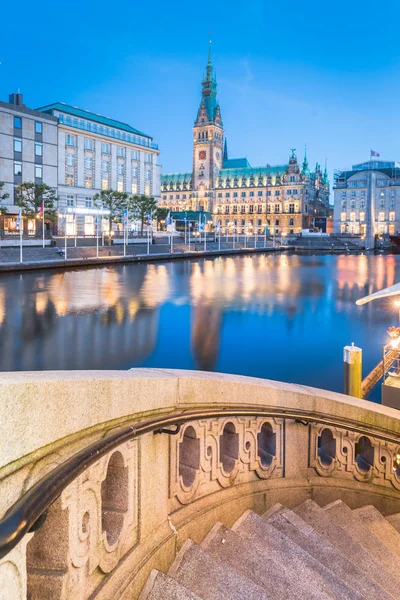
[(352, 359)]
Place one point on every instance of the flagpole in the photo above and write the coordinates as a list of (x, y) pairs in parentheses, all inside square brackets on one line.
[(148, 235), (65, 240), (21, 228), (97, 234), (265, 236), (172, 237), (189, 234), (124, 234), (75, 227), (219, 238), (43, 218)]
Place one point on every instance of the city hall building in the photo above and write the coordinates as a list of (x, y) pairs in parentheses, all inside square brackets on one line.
[(285, 198)]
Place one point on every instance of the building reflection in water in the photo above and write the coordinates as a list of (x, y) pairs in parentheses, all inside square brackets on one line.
[(123, 316)]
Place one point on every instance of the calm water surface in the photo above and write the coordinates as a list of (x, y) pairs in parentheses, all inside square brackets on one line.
[(279, 317)]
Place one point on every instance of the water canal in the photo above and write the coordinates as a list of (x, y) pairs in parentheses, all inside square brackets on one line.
[(283, 317)]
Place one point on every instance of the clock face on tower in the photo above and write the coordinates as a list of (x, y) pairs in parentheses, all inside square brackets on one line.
[(202, 155)]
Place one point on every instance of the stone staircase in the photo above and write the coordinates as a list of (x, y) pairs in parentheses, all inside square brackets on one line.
[(308, 553)]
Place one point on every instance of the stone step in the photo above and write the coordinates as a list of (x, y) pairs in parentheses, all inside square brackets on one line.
[(394, 520), (301, 566), (252, 558), (160, 586), (354, 525), (301, 533), (380, 526), (211, 578), (348, 546)]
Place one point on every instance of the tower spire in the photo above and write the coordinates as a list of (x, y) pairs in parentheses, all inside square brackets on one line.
[(209, 67), (225, 157), (326, 171), (305, 169)]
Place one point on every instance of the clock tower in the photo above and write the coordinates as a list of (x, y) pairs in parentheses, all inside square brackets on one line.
[(208, 141)]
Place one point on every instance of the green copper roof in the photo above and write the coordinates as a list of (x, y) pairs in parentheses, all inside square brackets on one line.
[(85, 114), (253, 171), (175, 177), (236, 163), (193, 215)]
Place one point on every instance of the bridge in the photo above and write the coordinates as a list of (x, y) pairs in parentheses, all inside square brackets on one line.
[(107, 479)]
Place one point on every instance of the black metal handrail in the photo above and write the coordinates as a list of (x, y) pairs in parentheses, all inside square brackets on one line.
[(28, 513)]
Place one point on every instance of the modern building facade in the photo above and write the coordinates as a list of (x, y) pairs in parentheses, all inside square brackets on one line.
[(285, 198), (77, 152), (367, 199), (96, 153), (28, 152)]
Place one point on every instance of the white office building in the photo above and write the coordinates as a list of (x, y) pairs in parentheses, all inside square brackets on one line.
[(95, 153), (367, 199)]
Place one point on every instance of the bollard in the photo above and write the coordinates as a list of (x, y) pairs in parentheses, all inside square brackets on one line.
[(352, 358)]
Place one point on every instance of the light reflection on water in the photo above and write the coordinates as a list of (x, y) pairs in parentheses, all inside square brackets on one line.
[(281, 317)]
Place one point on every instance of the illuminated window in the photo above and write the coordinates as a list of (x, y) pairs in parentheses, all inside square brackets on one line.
[(88, 181), (352, 217), (362, 216), (381, 216), (343, 216), (120, 186), (69, 179), (104, 184), (134, 188), (89, 225), (147, 190), (392, 216)]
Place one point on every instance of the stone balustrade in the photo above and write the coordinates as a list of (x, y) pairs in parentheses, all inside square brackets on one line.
[(132, 510)]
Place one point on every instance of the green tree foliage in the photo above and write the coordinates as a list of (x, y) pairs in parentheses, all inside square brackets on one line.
[(31, 197), (141, 207), (115, 202), (3, 196), (161, 215)]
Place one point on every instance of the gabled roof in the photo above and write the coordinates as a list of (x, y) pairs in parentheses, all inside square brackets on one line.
[(85, 114), (236, 163)]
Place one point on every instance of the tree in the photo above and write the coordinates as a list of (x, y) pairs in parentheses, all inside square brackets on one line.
[(33, 197), (161, 215), (115, 202), (3, 209), (141, 207)]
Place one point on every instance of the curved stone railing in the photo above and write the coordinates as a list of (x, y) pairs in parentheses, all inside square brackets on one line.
[(240, 443)]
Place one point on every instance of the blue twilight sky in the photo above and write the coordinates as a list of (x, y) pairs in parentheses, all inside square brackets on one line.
[(325, 74)]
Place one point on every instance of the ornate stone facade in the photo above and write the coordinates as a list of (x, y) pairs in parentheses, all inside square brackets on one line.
[(284, 198)]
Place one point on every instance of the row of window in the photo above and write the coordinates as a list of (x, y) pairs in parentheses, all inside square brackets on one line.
[(354, 194), (290, 208), (249, 222), (382, 203), (106, 184), (103, 130), (71, 140), (18, 125), (251, 194), (18, 147), (18, 170), (381, 216)]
